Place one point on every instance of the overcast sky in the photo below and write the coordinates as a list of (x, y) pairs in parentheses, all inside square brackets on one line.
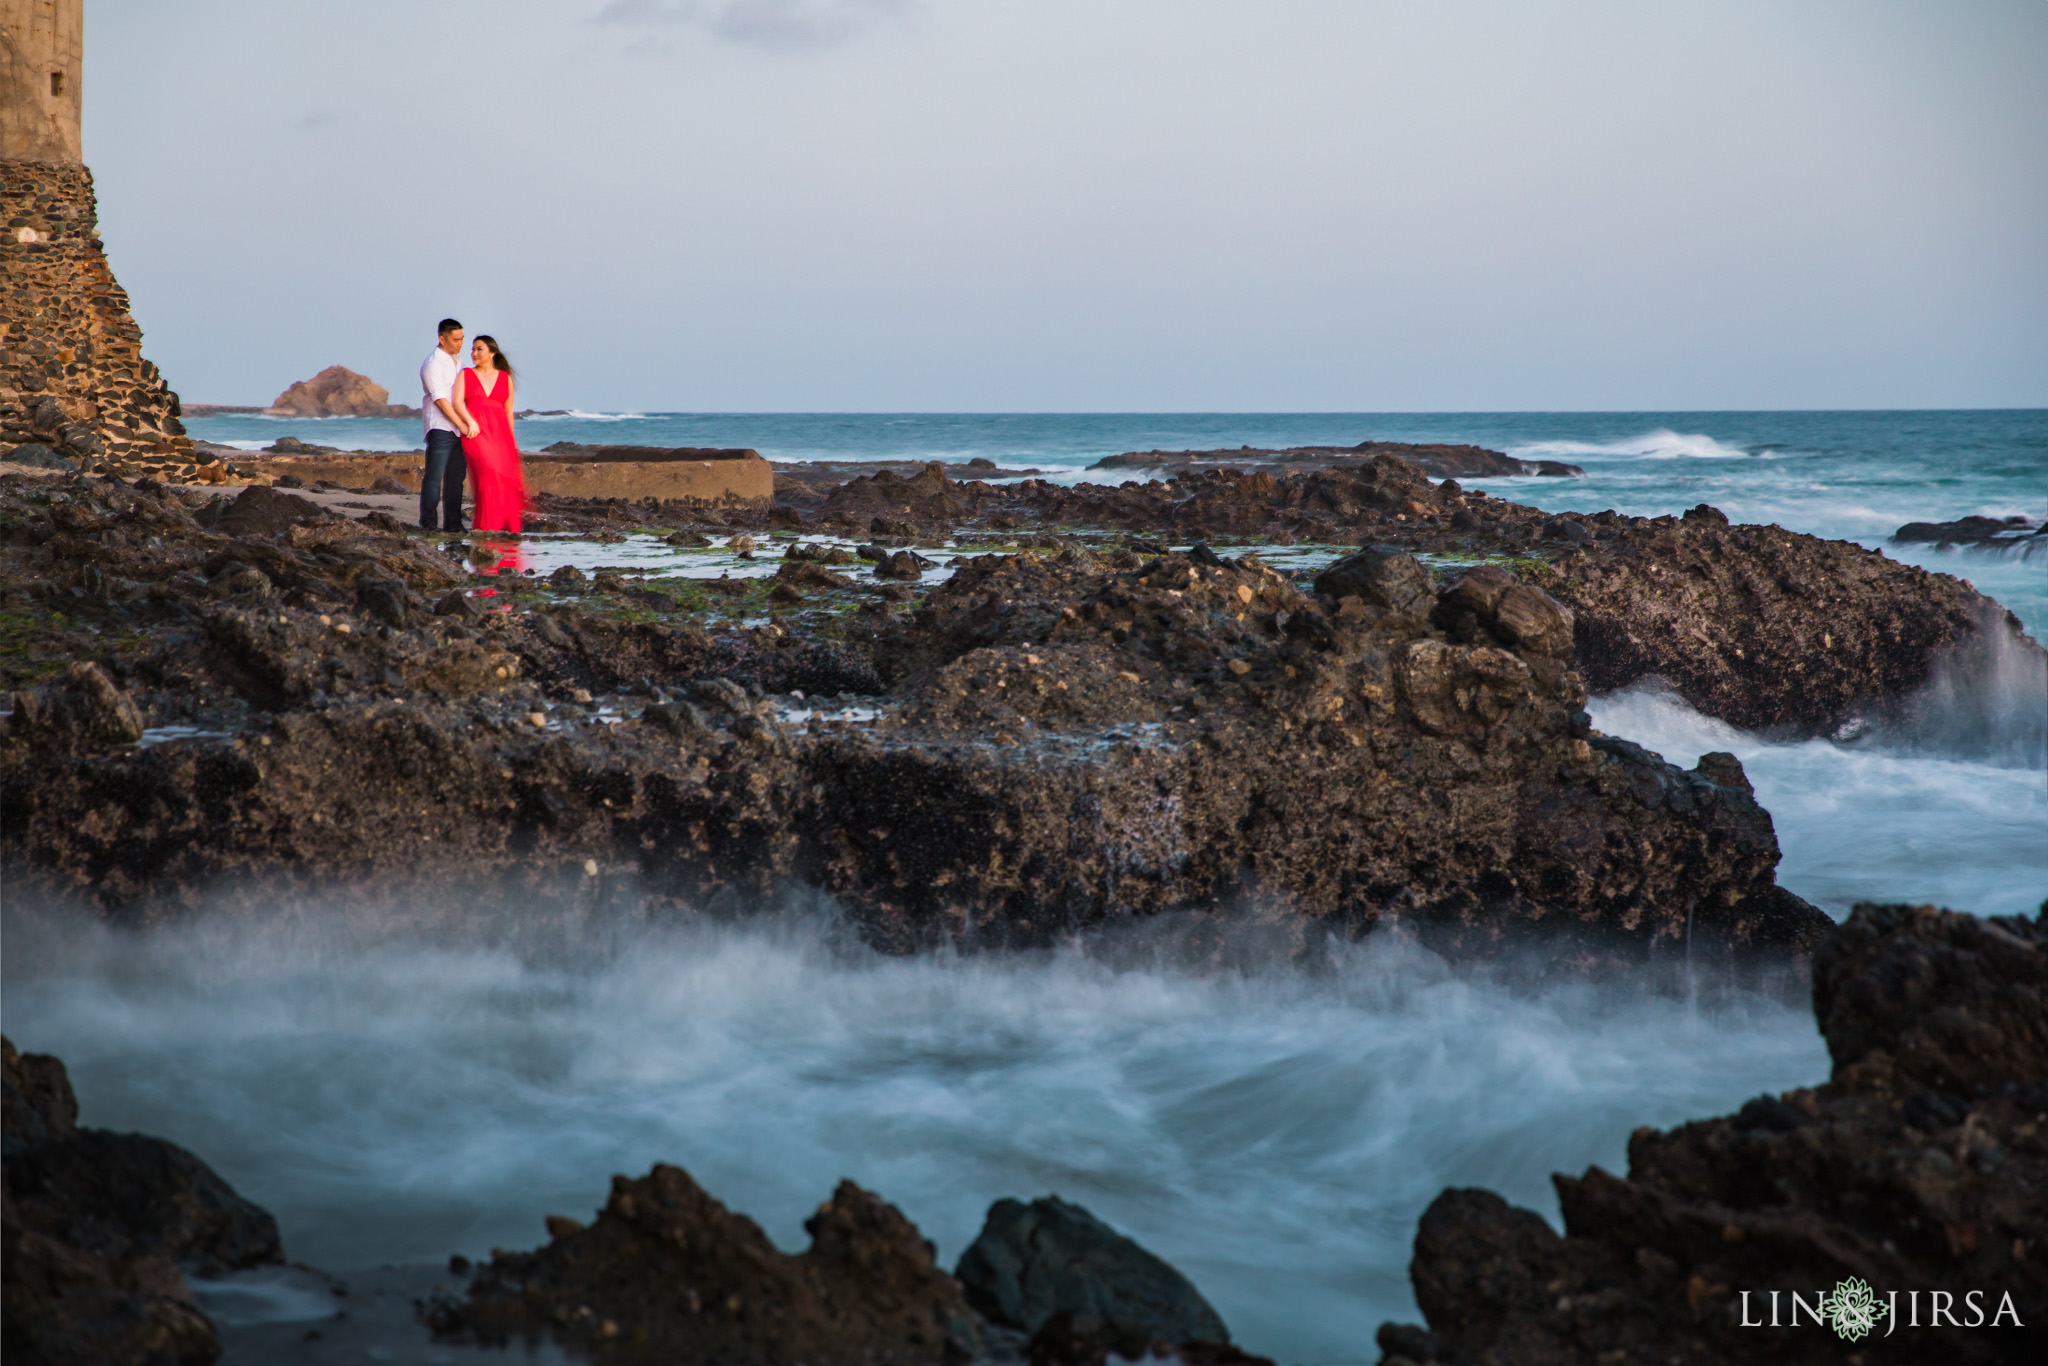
[(1151, 205)]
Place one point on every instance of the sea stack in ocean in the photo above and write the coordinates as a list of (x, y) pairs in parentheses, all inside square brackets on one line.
[(338, 391)]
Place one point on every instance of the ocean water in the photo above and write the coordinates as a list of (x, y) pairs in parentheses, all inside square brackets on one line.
[(404, 1086)]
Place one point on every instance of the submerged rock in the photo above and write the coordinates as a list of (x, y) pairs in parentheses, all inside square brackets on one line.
[(1920, 1169)]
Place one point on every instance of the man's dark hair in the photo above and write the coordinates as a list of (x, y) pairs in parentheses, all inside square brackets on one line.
[(448, 325)]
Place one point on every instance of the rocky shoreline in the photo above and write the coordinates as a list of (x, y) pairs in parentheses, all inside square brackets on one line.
[(221, 695), (1328, 697)]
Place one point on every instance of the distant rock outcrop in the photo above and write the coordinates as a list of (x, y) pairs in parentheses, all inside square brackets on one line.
[(339, 391)]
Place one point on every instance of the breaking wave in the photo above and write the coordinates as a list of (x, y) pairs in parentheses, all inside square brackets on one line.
[(1938, 814), (1662, 444)]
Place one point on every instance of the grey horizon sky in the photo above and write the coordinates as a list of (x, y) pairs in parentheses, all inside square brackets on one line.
[(1119, 205)]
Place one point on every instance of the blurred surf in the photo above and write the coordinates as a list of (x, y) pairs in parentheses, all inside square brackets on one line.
[(396, 1095)]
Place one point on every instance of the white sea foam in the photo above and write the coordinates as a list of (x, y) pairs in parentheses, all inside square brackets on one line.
[(394, 1094), (1662, 444), (1885, 819)]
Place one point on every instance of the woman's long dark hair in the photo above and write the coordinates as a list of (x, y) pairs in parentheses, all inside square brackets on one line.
[(497, 356)]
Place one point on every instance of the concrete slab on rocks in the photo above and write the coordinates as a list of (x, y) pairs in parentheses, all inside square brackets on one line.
[(723, 477)]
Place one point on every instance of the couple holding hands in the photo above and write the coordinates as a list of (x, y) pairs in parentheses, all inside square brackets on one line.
[(468, 415)]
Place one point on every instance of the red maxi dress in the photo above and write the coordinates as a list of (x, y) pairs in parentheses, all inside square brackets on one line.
[(492, 456)]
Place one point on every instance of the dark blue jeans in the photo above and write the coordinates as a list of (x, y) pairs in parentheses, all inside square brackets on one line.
[(441, 483)]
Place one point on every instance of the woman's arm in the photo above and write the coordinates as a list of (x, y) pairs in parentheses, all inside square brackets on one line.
[(511, 393), (463, 420)]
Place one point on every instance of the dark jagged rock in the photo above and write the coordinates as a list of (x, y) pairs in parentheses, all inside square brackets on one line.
[(1490, 599), (122, 1195), (36, 1100), (902, 564), (1965, 531), (1065, 742), (291, 445), (1383, 575), (1921, 1166), (1049, 1258), (87, 711), (1764, 628), (65, 1307), (118, 1196), (262, 511), (1065, 739), (1258, 733), (809, 574), (924, 497), (1909, 998), (1084, 1340), (96, 1224), (1439, 461), (38, 456), (666, 1274)]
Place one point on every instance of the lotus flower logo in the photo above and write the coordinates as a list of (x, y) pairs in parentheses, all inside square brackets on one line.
[(1852, 1310)]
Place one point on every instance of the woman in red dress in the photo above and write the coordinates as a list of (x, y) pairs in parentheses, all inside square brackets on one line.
[(483, 405)]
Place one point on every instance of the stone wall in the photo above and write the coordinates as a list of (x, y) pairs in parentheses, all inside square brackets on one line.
[(73, 380), (42, 60)]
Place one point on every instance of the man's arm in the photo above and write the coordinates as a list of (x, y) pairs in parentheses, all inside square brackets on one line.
[(459, 414), (441, 389)]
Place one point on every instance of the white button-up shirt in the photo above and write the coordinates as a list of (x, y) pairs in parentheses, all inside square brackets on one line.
[(437, 380)]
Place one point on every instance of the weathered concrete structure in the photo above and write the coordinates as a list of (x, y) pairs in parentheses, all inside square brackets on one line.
[(713, 477), (74, 386), (42, 61)]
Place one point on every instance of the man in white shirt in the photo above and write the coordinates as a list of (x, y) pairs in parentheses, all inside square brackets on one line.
[(441, 481)]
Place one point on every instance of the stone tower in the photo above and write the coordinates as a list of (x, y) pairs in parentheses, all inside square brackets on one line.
[(42, 58), (75, 390)]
